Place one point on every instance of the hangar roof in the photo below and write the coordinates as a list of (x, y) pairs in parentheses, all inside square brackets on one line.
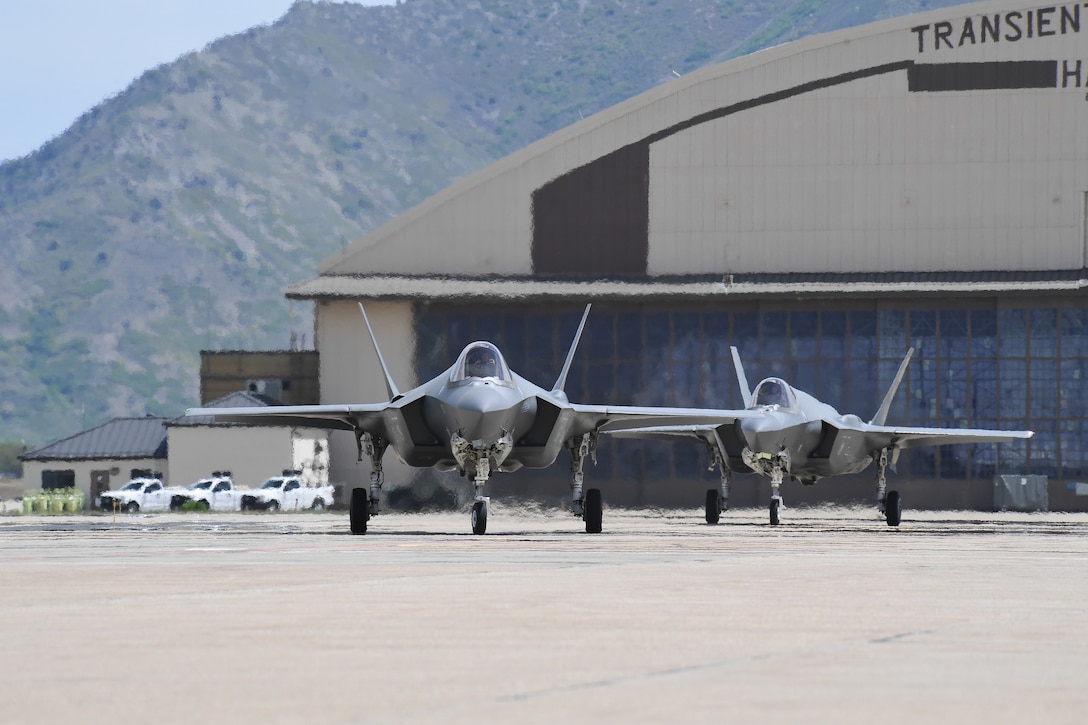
[(730, 286), (118, 438), (945, 140)]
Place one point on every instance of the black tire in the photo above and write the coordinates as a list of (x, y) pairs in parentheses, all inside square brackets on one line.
[(319, 504), (893, 508), (594, 511), (132, 507), (774, 511), (273, 505), (713, 505), (359, 510), (479, 517)]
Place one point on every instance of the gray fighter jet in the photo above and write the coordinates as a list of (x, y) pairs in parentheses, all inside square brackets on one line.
[(476, 418), (803, 438)]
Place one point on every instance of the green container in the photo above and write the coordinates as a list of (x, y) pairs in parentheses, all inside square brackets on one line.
[(30, 502), (56, 504)]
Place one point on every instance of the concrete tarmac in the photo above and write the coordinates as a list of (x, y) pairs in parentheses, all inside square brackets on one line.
[(830, 617)]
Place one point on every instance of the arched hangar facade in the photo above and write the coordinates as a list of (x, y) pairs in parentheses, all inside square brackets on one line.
[(822, 205)]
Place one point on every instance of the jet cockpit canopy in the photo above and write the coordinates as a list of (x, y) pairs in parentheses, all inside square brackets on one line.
[(774, 391), (480, 360)]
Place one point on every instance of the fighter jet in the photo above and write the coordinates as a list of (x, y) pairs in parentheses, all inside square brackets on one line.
[(477, 417), (803, 438)]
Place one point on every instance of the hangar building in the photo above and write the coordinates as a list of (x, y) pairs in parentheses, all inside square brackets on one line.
[(823, 205)]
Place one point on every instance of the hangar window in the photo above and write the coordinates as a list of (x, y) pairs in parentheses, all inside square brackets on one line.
[(774, 338), (1074, 333), (983, 343), (833, 334), (980, 362), (1043, 332), (1012, 332), (862, 334)]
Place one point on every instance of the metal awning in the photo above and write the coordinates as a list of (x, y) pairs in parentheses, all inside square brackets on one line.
[(740, 286)]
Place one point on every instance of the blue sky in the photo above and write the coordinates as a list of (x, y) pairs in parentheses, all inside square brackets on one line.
[(59, 58)]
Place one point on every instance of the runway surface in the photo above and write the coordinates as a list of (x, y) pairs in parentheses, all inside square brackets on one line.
[(830, 617)]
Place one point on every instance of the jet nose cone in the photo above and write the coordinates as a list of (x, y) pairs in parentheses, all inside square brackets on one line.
[(763, 434), (488, 424)]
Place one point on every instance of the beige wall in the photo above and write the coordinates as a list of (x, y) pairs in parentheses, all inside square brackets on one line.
[(32, 472), (251, 454), (857, 176), (866, 176), (351, 373)]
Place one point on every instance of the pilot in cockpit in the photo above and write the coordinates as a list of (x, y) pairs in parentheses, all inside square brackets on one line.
[(771, 393), (480, 363)]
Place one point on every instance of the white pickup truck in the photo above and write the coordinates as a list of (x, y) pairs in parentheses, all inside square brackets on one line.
[(216, 492), (287, 492), (139, 494)]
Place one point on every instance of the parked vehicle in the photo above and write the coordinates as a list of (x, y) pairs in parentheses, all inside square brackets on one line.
[(139, 494), (287, 492), (216, 492)]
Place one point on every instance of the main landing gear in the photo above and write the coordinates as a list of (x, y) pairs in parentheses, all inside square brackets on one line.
[(363, 506), (717, 500), (888, 502), (589, 506)]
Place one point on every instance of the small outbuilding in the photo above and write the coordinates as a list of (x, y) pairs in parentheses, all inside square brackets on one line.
[(100, 458), (179, 451)]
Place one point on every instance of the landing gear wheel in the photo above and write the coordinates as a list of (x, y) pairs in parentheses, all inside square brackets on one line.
[(713, 505), (594, 511), (359, 511), (893, 508), (479, 517), (775, 503)]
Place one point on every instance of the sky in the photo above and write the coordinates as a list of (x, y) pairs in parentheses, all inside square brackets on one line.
[(60, 58)]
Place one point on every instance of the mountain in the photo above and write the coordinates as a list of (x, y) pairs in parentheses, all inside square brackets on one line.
[(169, 218)]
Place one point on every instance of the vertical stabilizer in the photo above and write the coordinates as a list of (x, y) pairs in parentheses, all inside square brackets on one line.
[(389, 384), (882, 414), (562, 381), (742, 379)]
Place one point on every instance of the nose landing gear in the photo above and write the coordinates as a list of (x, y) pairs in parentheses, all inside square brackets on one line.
[(775, 465)]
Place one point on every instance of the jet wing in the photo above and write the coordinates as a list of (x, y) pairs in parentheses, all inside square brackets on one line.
[(877, 436), (901, 437), (616, 418), (370, 417), (665, 432)]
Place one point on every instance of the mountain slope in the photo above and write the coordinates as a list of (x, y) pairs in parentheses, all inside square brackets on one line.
[(170, 217)]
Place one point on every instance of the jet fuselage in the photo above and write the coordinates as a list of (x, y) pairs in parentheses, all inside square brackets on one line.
[(818, 439)]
